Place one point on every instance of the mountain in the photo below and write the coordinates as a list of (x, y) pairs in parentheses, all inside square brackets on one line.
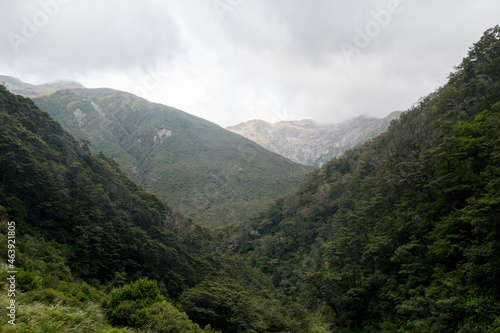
[(401, 234), (53, 187), (310, 143), (207, 172), (91, 251), (19, 87)]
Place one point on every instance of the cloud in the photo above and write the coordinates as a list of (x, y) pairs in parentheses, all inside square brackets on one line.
[(52, 37), (233, 60)]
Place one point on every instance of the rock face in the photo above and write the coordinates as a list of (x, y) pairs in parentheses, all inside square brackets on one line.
[(310, 143)]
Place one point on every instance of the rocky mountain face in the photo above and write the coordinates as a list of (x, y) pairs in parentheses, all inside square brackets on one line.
[(310, 143), (206, 172)]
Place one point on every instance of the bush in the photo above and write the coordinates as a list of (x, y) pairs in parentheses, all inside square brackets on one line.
[(129, 313), (26, 281), (127, 305), (165, 318), (83, 293)]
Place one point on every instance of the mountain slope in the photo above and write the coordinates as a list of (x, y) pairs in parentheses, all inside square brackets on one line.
[(309, 143), (213, 175), (78, 217), (53, 187), (401, 233)]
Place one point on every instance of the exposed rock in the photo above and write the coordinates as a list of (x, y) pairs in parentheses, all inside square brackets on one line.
[(97, 108), (310, 143), (79, 115), (163, 133)]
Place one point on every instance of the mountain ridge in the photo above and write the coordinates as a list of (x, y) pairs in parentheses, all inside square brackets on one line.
[(17, 86), (90, 250), (205, 171), (310, 143)]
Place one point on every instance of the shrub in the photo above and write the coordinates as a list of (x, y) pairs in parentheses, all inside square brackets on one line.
[(127, 305), (165, 318)]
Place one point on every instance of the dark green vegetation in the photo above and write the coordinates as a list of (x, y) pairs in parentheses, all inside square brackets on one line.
[(54, 187), (403, 233), (80, 218), (208, 173)]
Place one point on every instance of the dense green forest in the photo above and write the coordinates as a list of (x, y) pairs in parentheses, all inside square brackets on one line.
[(403, 233), (400, 234), (95, 251), (212, 175)]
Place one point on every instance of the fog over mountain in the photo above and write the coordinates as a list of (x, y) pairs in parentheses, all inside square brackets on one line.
[(310, 143)]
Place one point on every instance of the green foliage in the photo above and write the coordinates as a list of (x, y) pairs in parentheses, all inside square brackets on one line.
[(165, 318), (80, 216), (139, 304), (25, 280), (402, 233), (56, 190), (127, 305), (81, 292), (208, 173), (229, 306), (45, 296), (32, 316)]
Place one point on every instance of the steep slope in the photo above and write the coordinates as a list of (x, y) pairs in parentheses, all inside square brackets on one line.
[(78, 217), (309, 143), (402, 233), (210, 174), (53, 187)]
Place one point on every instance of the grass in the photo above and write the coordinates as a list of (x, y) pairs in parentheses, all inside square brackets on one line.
[(42, 318)]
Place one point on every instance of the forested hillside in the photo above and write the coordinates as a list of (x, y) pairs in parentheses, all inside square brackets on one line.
[(95, 252), (54, 187), (403, 233), (210, 174)]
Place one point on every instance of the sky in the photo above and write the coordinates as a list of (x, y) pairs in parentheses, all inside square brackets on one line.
[(230, 61)]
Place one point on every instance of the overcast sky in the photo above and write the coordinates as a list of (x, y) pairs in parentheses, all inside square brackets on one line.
[(230, 61)]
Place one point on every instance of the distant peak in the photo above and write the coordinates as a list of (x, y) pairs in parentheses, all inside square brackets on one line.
[(63, 85), (7, 79), (17, 86)]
